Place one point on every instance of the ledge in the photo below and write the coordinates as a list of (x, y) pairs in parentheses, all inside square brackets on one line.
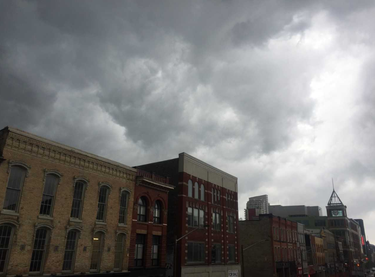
[(45, 217), (9, 212)]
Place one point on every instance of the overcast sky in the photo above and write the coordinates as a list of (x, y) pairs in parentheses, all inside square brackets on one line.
[(279, 93)]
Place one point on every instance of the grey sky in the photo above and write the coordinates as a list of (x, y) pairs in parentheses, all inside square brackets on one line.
[(278, 93)]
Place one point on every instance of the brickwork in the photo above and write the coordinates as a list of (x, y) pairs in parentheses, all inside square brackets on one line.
[(41, 156), (152, 191)]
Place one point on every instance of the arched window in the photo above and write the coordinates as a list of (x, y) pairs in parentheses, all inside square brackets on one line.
[(102, 203), (190, 188), (119, 251), (15, 183), (196, 191), (123, 207), (6, 234), (48, 200), (157, 212), (79, 192), (70, 250), (97, 250), (202, 192), (142, 205), (41, 242)]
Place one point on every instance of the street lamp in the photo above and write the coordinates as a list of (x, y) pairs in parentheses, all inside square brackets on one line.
[(247, 248), (175, 248)]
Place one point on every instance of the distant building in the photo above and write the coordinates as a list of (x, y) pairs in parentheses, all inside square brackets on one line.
[(363, 233), (347, 230), (297, 210), (256, 205), (270, 246)]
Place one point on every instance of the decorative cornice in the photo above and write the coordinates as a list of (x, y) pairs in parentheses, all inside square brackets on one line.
[(30, 144)]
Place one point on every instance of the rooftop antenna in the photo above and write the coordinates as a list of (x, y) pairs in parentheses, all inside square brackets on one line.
[(333, 185)]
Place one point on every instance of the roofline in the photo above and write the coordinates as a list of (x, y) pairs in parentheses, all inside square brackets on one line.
[(206, 164), (78, 151)]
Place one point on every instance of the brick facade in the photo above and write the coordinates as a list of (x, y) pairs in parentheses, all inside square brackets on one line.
[(214, 182), (151, 188), (40, 157)]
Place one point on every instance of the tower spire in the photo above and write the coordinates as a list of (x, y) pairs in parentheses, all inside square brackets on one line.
[(334, 200)]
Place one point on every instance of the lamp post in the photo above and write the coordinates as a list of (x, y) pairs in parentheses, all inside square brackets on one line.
[(175, 248), (247, 248)]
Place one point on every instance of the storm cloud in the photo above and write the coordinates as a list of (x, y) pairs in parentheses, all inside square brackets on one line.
[(278, 93)]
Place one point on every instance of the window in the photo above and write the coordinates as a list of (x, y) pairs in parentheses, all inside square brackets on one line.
[(102, 203), (216, 254), (6, 234), (195, 252), (218, 196), (142, 209), (214, 199), (70, 250), (230, 224), (202, 192), (190, 216), (196, 217), (155, 251), (216, 222), (123, 207), (119, 251), (15, 183), (97, 250), (231, 256), (201, 218), (77, 199), (196, 191), (50, 186), (157, 212), (190, 188), (139, 249), (320, 223), (39, 250)]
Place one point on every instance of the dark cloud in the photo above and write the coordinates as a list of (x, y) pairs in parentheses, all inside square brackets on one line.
[(228, 81)]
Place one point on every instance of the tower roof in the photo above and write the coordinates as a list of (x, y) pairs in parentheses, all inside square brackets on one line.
[(335, 200)]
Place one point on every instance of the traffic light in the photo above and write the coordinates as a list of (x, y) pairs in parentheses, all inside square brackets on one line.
[(358, 265)]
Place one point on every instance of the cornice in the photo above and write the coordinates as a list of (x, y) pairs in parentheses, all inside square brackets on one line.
[(53, 151)]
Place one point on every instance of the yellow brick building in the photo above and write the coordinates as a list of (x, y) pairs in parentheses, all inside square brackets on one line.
[(63, 210)]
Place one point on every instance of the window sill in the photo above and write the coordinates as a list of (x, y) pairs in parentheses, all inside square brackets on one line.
[(10, 212), (45, 217), (73, 219), (100, 223), (122, 225)]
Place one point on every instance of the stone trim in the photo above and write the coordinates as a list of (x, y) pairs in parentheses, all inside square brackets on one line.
[(43, 148)]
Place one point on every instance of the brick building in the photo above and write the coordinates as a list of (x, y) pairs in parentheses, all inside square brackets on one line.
[(148, 242), (63, 210), (270, 246), (203, 217)]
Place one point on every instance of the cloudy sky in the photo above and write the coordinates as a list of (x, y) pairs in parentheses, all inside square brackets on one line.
[(279, 93)]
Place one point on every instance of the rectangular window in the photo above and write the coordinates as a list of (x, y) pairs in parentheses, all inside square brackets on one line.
[(231, 253), (49, 191), (230, 224), (216, 253), (102, 203), (155, 251), (77, 200), (201, 218), (119, 251), (123, 207), (190, 216), (196, 252), (139, 249), (15, 183), (70, 249), (216, 222), (39, 250), (196, 217)]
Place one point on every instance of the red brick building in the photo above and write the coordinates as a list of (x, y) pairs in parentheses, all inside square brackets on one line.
[(148, 241), (203, 217), (270, 246)]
